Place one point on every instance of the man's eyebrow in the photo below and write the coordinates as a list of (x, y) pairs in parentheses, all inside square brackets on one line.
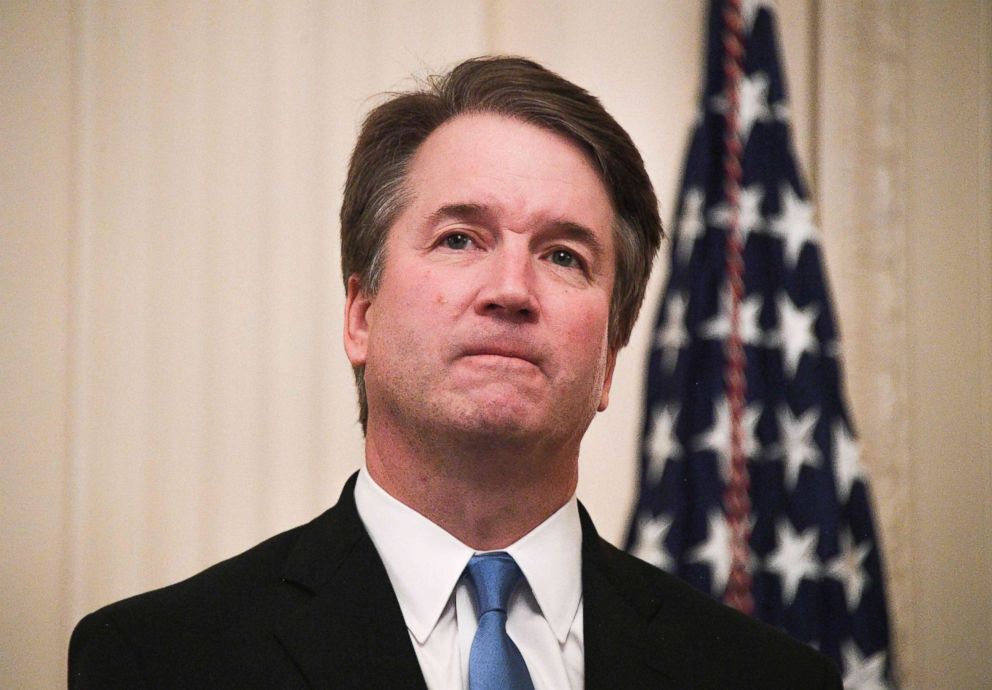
[(472, 213), (578, 233), (483, 214)]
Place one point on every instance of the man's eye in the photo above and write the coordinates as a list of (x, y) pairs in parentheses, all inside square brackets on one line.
[(562, 257), (456, 240)]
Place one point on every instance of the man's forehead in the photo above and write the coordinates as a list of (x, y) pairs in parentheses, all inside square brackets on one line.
[(482, 163), (467, 133)]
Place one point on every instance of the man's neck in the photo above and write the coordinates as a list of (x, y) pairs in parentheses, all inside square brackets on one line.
[(487, 496)]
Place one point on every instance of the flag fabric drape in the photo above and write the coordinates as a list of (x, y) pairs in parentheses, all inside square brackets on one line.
[(767, 432)]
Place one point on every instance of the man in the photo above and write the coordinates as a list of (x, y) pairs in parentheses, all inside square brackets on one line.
[(498, 230)]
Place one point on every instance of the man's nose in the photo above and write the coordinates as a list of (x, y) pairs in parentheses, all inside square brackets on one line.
[(509, 285)]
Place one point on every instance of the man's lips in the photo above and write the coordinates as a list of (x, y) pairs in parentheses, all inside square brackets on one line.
[(505, 351)]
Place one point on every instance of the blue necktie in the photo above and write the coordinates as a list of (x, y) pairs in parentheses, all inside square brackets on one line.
[(495, 662)]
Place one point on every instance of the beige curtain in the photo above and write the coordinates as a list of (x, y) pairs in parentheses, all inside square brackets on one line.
[(174, 388)]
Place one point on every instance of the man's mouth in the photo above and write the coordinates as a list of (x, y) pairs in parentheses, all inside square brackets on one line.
[(502, 353)]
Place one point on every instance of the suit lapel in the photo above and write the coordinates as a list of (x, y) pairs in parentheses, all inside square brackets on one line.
[(351, 633), (630, 642)]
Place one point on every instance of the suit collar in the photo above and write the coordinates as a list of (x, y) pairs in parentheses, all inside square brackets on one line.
[(631, 640), (350, 633)]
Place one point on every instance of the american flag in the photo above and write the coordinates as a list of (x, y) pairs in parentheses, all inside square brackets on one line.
[(751, 487)]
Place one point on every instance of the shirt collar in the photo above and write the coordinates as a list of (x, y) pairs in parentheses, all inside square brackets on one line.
[(550, 557), (424, 562)]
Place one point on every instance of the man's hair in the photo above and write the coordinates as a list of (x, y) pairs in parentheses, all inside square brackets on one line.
[(376, 192)]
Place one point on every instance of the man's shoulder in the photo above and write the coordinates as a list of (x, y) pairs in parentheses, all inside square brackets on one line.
[(218, 621), (292, 608), (221, 586), (188, 616), (294, 557), (722, 641), (677, 597)]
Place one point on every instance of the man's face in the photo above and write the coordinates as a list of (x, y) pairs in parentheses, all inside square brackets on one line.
[(492, 313)]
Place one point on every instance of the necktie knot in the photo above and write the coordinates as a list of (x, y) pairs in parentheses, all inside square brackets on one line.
[(494, 576), (494, 661)]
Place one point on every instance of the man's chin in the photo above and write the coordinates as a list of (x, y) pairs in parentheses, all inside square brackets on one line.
[(505, 423), (497, 420)]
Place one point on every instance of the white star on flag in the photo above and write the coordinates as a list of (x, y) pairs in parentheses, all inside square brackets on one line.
[(795, 332), (715, 552), (753, 103), (862, 673), (663, 443), (847, 464), (749, 9), (717, 437), (795, 225), (848, 568), (793, 559), (718, 327), (749, 218), (796, 442), (650, 546), (672, 335), (691, 223)]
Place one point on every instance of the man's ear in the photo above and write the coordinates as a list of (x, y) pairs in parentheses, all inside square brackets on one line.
[(604, 397), (356, 322)]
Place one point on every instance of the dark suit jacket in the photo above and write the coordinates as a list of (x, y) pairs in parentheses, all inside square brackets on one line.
[(313, 608)]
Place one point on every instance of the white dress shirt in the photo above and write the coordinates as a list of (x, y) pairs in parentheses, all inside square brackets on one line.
[(426, 566)]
